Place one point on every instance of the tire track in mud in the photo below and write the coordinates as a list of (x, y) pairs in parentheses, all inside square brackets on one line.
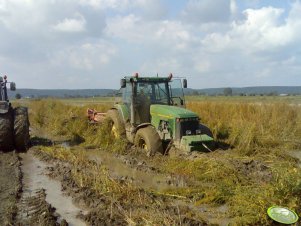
[(135, 171), (115, 209), (42, 201), (10, 187)]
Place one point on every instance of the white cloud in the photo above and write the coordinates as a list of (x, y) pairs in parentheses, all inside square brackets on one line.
[(216, 43), (233, 7), (162, 66), (126, 27), (71, 24), (207, 11), (20, 16), (87, 56), (262, 30), (106, 4), (171, 34), (202, 65)]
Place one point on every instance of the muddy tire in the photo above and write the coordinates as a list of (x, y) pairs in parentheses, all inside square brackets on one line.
[(21, 129), (6, 131), (116, 124), (149, 140)]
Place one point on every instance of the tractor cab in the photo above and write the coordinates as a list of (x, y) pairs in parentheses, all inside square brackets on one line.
[(157, 90), (140, 93), (4, 102)]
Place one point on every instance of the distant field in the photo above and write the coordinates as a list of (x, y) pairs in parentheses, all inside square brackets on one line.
[(248, 99), (240, 99)]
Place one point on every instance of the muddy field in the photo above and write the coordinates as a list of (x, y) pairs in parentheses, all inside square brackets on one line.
[(38, 188), (75, 174)]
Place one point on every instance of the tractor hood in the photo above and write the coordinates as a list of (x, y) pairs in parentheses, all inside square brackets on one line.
[(170, 112)]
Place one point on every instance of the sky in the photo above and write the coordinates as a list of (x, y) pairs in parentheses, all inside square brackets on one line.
[(82, 44)]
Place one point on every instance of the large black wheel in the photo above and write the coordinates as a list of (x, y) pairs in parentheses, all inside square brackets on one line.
[(21, 129), (116, 125), (6, 131), (149, 140)]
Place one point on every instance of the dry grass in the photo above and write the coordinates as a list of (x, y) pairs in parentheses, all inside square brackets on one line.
[(250, 127), (70, 123)]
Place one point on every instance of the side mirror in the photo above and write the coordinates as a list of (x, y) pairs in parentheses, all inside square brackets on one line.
[(122, 83), (185, 83), (12, 86)]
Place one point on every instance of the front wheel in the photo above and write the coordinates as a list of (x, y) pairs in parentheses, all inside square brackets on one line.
[(148, 140)]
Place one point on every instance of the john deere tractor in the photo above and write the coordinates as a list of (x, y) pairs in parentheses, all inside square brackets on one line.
[(152, 115), (14, 124)]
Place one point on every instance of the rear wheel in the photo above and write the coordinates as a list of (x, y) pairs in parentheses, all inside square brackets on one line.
[(148, 140), (21, 128), (116, 124), (6, 131)]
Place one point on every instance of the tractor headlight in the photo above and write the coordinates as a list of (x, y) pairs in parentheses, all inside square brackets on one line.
[(198, 131), (188, 132)]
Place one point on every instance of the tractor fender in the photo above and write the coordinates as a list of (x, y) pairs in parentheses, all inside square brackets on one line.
[(122, 112), (142, 125)]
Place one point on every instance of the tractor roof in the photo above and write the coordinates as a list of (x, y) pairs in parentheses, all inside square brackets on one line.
[(146, 79)]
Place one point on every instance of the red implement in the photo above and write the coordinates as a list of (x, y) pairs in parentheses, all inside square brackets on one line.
[(95, 116)]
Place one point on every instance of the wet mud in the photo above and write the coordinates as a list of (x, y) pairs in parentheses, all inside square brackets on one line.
[(114, 209), (38, 187), (136, 171), (10, 187)]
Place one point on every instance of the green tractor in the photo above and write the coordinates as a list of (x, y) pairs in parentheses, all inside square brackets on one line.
[(152, 115)]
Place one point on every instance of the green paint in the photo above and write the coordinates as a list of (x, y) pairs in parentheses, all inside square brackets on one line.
[(124, 111), (194, 142), (171, 112)]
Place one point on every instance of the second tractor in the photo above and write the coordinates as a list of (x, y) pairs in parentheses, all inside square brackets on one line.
[(14, 123)]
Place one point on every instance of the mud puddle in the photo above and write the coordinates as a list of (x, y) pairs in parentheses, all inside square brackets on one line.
[(214, 215), (147, 179), (34, 180)]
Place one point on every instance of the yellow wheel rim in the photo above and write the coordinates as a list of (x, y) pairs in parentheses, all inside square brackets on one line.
[(142, 144), (144, 147), (114, 131)]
